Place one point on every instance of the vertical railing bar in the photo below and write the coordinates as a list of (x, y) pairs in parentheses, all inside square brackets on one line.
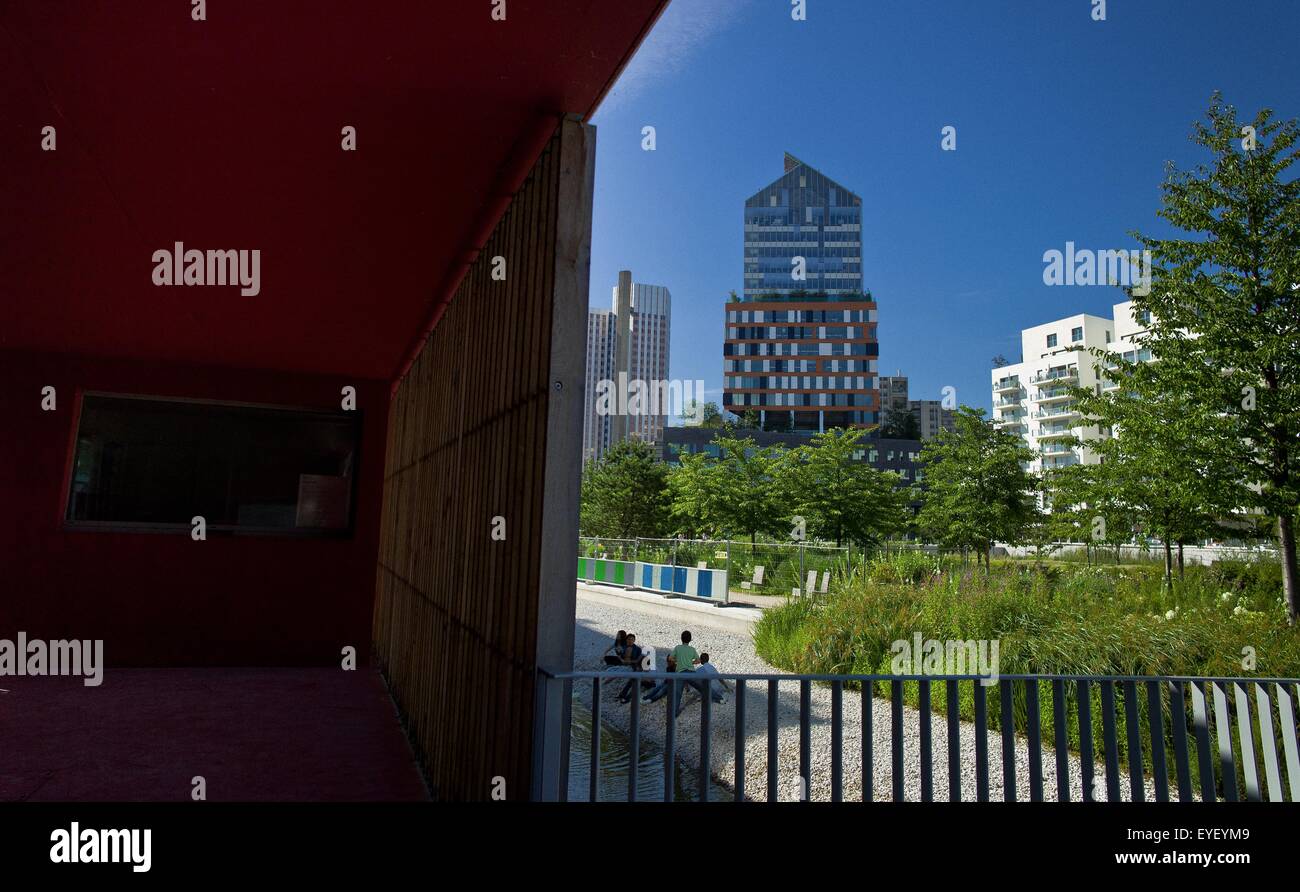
[(927, 756), (1110, 739), (981, 743), (594, 791), (670, 744), (837, 741), (954, 740), (771, 740), (1133, 734), (1223, 734), (1201, 724), (634, 743), (1035, 741), (706, 738), (805, 740), (1060, 740), (868, 754), (1087, 759), (896, 733), (1182, 761), (1267, 743), (1156, 726), (1008, 720), (1290, 745), (1248, 767), (739, 786)]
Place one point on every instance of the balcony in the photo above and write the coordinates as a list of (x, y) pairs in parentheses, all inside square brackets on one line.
[(1061, 373), (1052, 396), (1006, 403), (1047, 433), (1063, 412), (1054, 450), (1006, 385)]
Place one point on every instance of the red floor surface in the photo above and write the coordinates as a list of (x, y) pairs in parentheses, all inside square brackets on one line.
[(252, 734)]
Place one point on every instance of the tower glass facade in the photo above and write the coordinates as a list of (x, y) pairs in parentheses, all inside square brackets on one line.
[(801, 346)]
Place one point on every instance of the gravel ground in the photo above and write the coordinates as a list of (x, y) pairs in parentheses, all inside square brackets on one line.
[(731, 652)]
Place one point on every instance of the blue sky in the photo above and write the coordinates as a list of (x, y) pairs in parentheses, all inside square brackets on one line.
[(1064, 127)]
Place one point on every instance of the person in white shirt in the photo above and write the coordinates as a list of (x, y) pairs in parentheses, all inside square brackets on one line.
[(716, 684)]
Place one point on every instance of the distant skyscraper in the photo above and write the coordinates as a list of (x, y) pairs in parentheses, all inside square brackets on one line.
[(626, 343), (801, 341)]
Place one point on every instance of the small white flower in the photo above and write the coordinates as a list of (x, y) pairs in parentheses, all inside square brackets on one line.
[(1239, 610), (1225, 597), (1169, 614)]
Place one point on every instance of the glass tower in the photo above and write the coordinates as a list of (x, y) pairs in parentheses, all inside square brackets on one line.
[(801, 348)]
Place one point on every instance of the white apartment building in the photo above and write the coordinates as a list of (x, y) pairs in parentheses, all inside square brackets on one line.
[(1031, 397), (630, 339)]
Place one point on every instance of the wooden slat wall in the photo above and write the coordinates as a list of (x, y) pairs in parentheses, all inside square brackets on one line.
[(456, 622)]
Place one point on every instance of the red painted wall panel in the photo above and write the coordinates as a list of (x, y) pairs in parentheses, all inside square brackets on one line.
[(162, 599)]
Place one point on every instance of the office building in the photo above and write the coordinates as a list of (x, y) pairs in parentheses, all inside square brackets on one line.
[(801, 348), (626, 343), (1031, 398)]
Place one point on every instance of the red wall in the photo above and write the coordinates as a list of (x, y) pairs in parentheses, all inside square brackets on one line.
[(162, 599)]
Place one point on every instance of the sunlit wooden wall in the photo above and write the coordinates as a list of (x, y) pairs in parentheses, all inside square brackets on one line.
[(487, 424)]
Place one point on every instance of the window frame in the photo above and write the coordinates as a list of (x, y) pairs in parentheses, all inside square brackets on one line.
[(354, 417)]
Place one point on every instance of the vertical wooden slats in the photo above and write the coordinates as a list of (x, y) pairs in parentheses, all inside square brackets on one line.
[(456, 612)]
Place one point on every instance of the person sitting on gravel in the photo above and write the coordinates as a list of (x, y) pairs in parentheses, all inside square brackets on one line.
[(684, 657), (632, 661), (614, 653), (716, 685)]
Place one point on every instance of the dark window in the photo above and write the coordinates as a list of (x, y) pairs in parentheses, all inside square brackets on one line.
[(159, 463)]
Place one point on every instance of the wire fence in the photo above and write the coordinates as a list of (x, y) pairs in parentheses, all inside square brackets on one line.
[(759, 568)]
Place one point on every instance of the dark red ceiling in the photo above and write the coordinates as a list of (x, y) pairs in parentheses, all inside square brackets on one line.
[(225, 134)]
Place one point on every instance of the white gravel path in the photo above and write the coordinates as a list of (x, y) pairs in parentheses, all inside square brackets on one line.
[(597, 622)]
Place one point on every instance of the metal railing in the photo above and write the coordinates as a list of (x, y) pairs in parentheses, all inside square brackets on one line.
[(1065, 738)]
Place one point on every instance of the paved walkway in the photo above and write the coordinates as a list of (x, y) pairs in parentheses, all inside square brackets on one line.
[(252, 734)]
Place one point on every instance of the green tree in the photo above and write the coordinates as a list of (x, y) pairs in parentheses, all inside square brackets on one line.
[(840, 496), (709, 414), (1224, 312), (1165, 471), (976, 491), (625, 493), (696, 489), (750, 501)]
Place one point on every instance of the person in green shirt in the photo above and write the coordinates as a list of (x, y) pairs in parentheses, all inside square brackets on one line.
[(685, 657)]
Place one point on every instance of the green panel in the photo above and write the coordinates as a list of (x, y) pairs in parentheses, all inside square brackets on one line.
[(601, 569), (619, 569), (582, 568)]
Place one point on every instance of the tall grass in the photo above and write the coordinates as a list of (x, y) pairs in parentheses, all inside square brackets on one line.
[(1049, 620)]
